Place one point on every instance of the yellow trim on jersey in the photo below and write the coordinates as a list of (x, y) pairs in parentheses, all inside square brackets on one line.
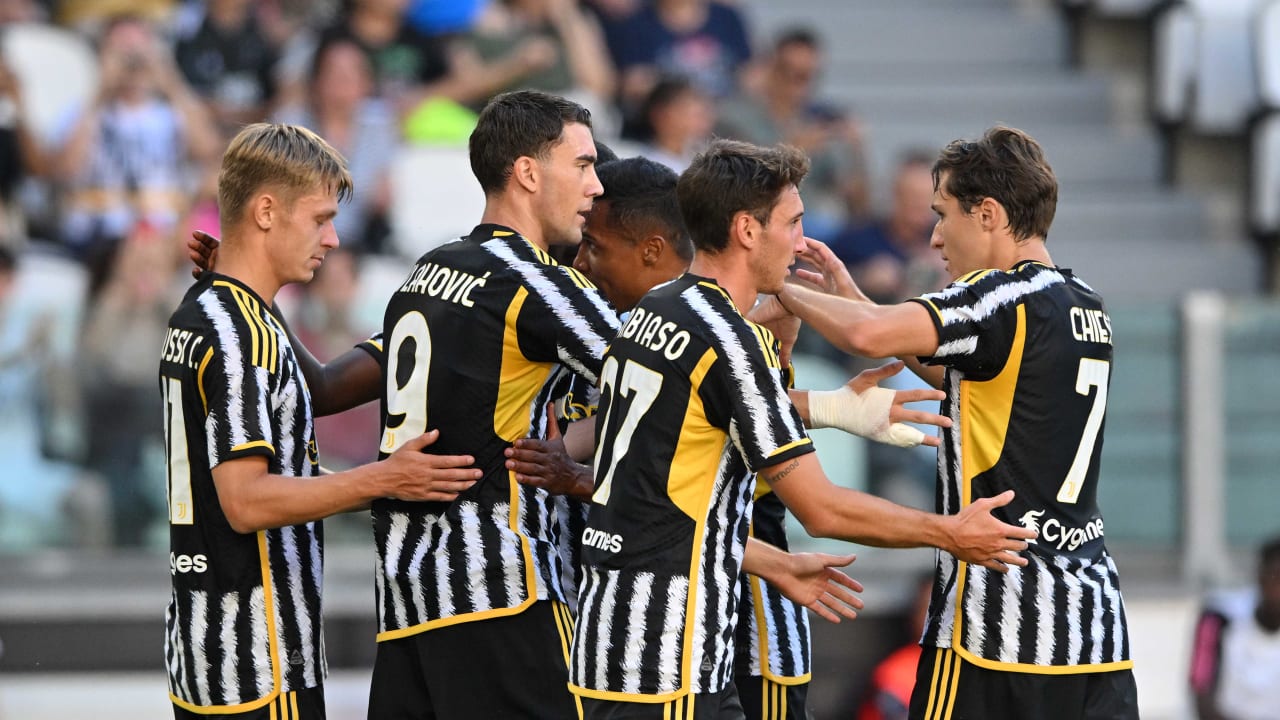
[(255, 443), (615, 696), (985, 408), (722, 291), (766, 345), (773, 700), (518, 379), (293, 704), (687, 484), (579, 279), (1043, 669), (204, 400), (265, 347), (225, 709), (513, 522), (792, 444), (375, 344), (503, 233), (975, 276), (762, 632), (455, 620), (564, 627)]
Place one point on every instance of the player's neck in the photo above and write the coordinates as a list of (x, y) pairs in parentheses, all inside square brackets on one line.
[(729, 273), (1032, 249), (236, 262), (518, 217)]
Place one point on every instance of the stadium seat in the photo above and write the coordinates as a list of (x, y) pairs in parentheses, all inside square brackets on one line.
[(58, 71), (1203, 74), (435, 198), (1264, 140)]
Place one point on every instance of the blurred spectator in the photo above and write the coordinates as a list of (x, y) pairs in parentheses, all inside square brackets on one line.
[(42, 501), (784, 108), (678, 118), (122, 329), (572, 60), (705, 40), (228, 59), (324, 322), (130, 154), (442, 17), (90, 16), (342, 107), (890, 258), (20, 156), (413, 68), (1235, 657), (889, 695)]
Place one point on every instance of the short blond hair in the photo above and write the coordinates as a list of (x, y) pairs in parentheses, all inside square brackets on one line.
[(288, 159)]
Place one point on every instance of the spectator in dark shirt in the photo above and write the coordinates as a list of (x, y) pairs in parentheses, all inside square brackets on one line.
[(228, 60)]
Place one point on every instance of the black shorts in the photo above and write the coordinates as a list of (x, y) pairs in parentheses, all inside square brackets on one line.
[(764, 699), (514, 666), (723, 705), (300, 705), (948, 687)]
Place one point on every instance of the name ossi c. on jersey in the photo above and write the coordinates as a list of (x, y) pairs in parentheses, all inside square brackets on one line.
[(691, 407), (481, 336), (1028, 357), (243, 623)]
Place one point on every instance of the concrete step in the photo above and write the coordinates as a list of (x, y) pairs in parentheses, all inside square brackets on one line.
[(1047, 97), (921, 34), (1159, 217)]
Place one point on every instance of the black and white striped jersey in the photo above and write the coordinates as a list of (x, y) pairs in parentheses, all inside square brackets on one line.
[(1028, 357), (691, 406), (243, 623), (773, 632), (481, 336)]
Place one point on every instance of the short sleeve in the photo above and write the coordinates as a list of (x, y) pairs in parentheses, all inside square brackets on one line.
[(745, 387), (564, 319), (237, 393), (374, 346), (975, 324)]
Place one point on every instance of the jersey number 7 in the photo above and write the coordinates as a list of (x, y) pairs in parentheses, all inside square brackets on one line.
[(642, 385), (1092, 374)]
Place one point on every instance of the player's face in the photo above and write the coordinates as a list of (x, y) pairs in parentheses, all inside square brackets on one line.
[(569, 185), (305, 236), (781, 238), (611, 260), (958, 235)]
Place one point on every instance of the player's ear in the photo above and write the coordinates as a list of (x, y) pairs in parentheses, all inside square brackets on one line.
[(651, 249), (744, 228), (991, 214), (263, 210), (526, 173)]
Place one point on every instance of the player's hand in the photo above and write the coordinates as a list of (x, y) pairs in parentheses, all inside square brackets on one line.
[(814, 581), (832, 277), (546, 464), (784, 326), (897, 412), (202, 248), (980, 538), (417, 476)]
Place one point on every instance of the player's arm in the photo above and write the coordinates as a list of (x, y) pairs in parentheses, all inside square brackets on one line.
[(832, 277), (1206, 663), (827, 510), (254, 499), (809, 579), (862, 408), (864, 328), (350, 380)]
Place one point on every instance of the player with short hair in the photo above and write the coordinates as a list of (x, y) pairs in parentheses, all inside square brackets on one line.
[(245, 490), (1023, 350), (692, 404)]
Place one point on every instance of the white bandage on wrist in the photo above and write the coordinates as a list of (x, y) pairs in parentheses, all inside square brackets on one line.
[(865, 414)]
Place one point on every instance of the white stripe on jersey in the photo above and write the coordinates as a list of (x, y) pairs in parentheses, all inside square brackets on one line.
[(1010, 629), (200, 654), (227, 639), (641, 594), (604, 637), (180, 648), (1116, 604), (1074, 607), (391, 559), (739, 366), (510, 553), (790, 619), (444, 588), (569, 317), (416, 592), (473, 551), (261, 649), (233, 362), (590, 581), (987, 304), (1045, 640), (672, 633), (293, 561), (1095, 586)]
